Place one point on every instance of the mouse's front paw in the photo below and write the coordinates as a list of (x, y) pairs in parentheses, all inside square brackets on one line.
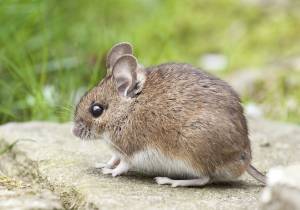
[(112, 163), (101, 165), (122, 168), (113, 172), (107, 170), (116, 173)]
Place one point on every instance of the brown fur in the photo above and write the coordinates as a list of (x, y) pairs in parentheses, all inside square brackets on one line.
[(183, 112)]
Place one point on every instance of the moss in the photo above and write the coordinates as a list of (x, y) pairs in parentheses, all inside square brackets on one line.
[(11, 183)]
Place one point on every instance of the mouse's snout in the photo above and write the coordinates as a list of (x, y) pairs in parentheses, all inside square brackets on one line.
[(83, 130), (80, 130), (77, 130)]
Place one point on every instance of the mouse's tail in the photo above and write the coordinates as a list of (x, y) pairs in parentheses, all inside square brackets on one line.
[(256, 174)]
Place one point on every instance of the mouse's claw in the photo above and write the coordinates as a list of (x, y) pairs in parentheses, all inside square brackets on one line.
[(101, 165)]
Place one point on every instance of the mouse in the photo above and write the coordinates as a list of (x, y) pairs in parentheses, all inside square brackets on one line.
[(173, 121)]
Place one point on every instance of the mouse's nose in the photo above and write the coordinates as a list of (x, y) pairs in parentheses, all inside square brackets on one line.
[(77, 130)]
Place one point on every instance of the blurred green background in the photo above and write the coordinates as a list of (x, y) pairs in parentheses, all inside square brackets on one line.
[(51, 51)]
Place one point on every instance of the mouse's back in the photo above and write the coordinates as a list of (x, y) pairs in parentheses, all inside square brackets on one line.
[(193, 115)]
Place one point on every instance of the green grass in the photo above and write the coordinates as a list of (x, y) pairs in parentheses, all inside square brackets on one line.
[(52, 50), (7, 148)]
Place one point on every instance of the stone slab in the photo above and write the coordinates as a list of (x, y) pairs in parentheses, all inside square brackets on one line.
[(283, 190), (48, 153)]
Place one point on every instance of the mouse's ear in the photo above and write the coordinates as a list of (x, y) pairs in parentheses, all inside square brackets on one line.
[(127, 76), (116, 52)]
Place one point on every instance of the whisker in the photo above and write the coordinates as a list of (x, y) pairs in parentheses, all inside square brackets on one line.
[(63, 111), (65, 108)]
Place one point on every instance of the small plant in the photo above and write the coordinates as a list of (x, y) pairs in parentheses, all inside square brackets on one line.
[(8, 148)]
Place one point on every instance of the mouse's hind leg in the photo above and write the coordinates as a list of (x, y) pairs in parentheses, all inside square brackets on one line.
[(182, 183)]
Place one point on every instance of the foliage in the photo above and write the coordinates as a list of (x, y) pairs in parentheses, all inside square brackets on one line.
[(51, 50)]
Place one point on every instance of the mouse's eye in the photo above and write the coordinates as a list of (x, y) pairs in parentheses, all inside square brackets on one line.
[(96, 110)]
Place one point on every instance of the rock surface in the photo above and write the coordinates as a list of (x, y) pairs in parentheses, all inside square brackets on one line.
[(27, 199), (283, 190), (47, 153)]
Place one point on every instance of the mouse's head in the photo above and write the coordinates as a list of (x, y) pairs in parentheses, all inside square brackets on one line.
[(109, 102)]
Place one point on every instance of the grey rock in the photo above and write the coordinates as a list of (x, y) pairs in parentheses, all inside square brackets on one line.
[(15, 195), (283, 189), (49, 155)]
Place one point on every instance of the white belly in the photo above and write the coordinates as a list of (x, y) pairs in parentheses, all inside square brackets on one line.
[(153, 162)]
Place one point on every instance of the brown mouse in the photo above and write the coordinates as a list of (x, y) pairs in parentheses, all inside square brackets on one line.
[(172, 121)]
